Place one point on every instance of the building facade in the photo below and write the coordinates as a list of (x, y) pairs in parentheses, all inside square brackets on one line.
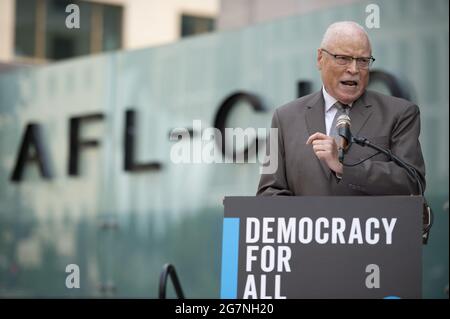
[(35, 31)]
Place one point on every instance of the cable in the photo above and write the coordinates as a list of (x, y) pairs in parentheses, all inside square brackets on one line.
[(361, 161), (362, 141)]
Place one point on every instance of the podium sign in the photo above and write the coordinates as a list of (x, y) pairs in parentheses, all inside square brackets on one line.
[(322, 247)]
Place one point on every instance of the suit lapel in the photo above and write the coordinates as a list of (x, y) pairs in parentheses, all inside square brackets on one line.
[(359, 114), (315, 122), (315, 116)]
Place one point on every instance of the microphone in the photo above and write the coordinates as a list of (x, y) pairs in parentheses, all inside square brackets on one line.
[(344, 135)]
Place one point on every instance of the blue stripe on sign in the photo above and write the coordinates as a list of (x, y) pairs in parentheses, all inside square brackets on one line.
[(230, 250)]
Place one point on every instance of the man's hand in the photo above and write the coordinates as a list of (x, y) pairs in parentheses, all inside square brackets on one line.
[(325, 148)]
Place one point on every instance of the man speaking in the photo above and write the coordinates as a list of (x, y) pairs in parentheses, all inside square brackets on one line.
[(308, 162)]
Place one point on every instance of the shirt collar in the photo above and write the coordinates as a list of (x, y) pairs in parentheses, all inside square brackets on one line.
[(329, 100)]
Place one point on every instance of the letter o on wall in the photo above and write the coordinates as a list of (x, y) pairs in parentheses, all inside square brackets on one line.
[(392, 82)]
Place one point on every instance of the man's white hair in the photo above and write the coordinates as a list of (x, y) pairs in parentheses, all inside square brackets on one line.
[(342, 28)]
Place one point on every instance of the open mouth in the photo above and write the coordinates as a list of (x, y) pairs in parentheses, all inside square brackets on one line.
[(349, 83)]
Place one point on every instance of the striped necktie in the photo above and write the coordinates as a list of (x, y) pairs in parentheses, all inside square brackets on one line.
[(341, 109)]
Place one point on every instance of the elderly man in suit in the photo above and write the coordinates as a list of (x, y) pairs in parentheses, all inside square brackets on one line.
[(308, 161)]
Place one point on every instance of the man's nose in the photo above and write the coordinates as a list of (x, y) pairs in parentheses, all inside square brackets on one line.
[(353, 67)]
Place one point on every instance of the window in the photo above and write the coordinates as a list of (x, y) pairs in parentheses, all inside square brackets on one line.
[(61, 42), (112, 27), (41, 32), (25, 35), (191, 25)]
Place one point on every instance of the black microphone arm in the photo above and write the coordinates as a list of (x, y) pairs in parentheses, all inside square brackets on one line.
[(362, 141), (412, 172)]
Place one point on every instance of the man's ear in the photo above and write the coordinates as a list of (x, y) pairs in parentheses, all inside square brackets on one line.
[(319, 59)]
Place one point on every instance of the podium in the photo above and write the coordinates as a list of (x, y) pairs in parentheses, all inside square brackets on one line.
[(322, 247)]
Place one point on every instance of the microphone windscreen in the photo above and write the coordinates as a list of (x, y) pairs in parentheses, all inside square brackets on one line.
[(343, 120)]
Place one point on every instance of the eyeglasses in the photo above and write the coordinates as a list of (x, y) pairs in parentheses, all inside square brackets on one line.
[(362, 62)]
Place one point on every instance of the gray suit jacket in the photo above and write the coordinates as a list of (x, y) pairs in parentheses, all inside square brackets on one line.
[(386, 121)]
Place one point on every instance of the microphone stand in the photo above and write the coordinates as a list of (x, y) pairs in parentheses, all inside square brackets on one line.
[(427, 213)]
